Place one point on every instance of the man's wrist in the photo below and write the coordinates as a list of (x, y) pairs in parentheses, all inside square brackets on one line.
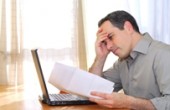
[(139, 104), (97, 66), (100, 59), (130, 102)]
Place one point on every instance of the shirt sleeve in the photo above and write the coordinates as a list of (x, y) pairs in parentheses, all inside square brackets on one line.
[(162, 103), (113, 75), (162, 75)]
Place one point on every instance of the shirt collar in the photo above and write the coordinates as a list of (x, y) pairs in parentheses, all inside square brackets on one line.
[(142, 46)]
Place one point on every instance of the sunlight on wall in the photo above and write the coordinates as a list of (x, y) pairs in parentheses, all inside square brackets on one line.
[(49, 26), (45, 25)]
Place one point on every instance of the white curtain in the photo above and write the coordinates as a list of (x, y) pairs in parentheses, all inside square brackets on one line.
[(49, 25), (153, 17), (10, 43)]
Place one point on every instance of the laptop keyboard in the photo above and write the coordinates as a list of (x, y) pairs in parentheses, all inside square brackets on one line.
[(65, 97)]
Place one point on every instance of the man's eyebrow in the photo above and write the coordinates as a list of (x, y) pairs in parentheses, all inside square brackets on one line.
[(110, 34)]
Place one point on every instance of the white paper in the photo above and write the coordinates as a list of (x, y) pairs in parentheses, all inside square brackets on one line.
[(78, 81)]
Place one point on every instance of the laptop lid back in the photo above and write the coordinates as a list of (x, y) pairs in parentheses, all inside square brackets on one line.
[(39, 71)]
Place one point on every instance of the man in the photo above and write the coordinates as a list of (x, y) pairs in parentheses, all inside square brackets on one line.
[(142, 70)]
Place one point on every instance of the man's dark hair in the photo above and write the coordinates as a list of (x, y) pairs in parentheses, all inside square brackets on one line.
[(118, 18)]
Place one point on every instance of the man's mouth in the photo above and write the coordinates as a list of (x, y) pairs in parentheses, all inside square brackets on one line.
[(114, 51)]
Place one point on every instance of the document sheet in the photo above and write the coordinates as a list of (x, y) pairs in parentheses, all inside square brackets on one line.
[(77, 81)]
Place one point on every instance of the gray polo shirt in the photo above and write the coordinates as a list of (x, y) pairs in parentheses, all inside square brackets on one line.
[(145, 73)]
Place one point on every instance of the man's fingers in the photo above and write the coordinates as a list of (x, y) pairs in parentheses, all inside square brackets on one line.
[(104, 100), (100, 94), (99, 30), (101, 102)]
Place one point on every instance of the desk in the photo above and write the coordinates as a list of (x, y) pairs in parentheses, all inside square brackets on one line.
[(17, 98)]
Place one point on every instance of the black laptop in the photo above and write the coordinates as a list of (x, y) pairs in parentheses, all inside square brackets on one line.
[(54, 99)]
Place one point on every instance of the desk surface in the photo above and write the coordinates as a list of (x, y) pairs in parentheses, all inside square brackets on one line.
[(17, 98)]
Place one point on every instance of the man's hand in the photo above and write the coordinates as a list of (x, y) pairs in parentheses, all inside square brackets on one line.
[(101, 53), (120, 100), (100, 44), (114, 100)]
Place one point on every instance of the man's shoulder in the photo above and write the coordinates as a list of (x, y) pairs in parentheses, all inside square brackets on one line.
[(159, 51), (159, 46), (156, 44)]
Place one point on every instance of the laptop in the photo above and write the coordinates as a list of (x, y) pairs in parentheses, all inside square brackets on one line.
[(55, 99)]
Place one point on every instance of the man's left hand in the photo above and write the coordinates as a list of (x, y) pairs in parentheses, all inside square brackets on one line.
[(114, 100)]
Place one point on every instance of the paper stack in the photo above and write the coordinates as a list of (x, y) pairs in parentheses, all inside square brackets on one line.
[(77, 81)]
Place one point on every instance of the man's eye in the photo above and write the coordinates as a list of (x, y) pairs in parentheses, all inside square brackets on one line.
[(104, 42), (110, 37)]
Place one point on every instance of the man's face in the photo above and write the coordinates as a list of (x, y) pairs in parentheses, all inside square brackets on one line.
[(119, 42)]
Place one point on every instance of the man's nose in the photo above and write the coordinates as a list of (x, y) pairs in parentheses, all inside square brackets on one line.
[(109, 45)]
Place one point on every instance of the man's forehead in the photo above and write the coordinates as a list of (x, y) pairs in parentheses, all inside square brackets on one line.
[(108, 27), (106, 23)]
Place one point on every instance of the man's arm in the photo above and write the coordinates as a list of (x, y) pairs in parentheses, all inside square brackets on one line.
[(162, 75), (119, 100), (101, 53), (140, 104), (97, 66)]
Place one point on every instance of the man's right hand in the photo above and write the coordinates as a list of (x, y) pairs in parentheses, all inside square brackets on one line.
[(100, 44), (101, 53)]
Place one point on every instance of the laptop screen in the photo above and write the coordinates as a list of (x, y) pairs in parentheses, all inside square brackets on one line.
[(64, 99), (38, 68)]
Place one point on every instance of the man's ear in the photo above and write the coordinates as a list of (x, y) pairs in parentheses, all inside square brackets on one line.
[(128, 27)]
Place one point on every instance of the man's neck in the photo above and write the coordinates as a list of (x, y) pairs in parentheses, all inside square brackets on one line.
[(136, 38)]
